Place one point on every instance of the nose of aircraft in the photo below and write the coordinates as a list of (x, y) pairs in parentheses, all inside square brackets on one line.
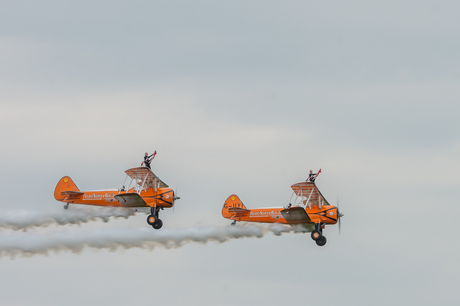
[(339, 215), (175, 197)]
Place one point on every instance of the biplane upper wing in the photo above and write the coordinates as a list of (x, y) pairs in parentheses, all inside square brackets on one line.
[(311, 192), (144, 174), (130, 200), (295, 215)]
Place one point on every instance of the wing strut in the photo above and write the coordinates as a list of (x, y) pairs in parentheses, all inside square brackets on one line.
[(143, 184), (308, 200)]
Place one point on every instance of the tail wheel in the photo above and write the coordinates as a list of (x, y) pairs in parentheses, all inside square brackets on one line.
[(321, 241), (316, 235), (151, 220), (66, 206), (158, 224)]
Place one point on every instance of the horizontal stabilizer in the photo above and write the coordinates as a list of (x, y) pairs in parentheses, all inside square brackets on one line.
[(238, 211), (295, 215), (71, 193), (130, 200)]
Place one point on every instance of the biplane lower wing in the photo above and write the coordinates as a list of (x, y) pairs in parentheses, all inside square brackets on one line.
[(130, 200), (295, 215)]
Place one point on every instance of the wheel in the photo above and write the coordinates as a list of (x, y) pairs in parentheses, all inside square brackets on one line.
[(151, 219), (66, 206), (316, 235), (158, 224), (321, 241), (233, 223)]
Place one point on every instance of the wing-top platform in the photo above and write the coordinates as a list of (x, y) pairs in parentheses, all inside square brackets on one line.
[(145, 177), (309, 194)]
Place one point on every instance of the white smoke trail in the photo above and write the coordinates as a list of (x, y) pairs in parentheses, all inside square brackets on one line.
[(28, 244), (25, 219)]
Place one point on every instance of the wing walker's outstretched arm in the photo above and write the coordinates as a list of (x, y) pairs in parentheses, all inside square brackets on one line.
[(148, 159), (312, 176)]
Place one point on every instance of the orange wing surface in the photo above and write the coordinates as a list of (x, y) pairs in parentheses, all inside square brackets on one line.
[(310, 192)]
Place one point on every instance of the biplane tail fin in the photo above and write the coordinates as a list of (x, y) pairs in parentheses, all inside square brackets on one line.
[(233, 207), (64, 184)]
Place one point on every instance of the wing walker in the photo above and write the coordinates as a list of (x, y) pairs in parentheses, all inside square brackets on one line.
[(145, 190), (310, 210)]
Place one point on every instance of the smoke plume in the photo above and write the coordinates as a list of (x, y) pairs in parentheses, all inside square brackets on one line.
[(25, 219), (28, 244)]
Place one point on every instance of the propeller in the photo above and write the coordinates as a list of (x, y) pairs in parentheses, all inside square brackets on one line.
[(175, 198), (339, 215)]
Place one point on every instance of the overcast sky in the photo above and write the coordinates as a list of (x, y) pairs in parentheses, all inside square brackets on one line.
[(239, 97)]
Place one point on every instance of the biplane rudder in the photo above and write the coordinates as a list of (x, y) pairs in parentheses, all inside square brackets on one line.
[(64, 184), (232, 201)]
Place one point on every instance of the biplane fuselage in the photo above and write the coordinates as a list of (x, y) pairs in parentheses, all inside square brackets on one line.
[(327, 214), (147, 191), (310, 210), (162, 197)]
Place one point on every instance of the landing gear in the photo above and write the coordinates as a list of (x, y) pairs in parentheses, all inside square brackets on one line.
[(233, 223), (321, 241), (317, 235), (158, 224), (66, 206), (153, 219)]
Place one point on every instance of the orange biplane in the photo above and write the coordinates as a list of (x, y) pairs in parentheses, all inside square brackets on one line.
[(144, 190), (310, 211)]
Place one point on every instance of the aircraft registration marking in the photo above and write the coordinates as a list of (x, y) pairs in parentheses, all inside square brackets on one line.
[(234, 205)]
